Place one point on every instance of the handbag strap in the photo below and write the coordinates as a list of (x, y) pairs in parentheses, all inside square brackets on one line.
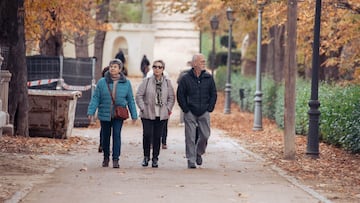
[(112, 98)]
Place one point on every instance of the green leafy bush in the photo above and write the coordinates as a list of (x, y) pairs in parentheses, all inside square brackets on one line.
[(248, 85), (220, 78), (340, 116), (303, 90), (279, 106), (340, 107)]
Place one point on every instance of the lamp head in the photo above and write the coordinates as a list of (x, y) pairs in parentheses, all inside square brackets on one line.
[(214, 22), (229, 14), (260, 2)]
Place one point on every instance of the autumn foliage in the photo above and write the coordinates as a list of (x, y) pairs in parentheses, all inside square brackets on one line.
[(339, 26), (44, 19)]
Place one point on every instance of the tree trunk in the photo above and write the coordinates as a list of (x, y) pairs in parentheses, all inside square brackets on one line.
[(248, 66), (290, 81), (81, 45), (51, 46), (101, 16), (12, 35), (275, 53)]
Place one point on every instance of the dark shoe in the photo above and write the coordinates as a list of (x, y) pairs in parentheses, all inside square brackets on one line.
[(116, 164), (105, 163), (154, 163), (164, 146), (145, 161), (198, 160), (100, 149), (191, 165)]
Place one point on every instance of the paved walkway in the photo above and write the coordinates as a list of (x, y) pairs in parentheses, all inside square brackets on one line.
[(229, 174)]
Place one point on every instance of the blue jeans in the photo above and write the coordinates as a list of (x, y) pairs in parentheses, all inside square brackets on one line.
[(106, 126)]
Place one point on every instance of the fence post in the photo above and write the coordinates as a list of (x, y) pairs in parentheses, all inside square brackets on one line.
[(61, 79)]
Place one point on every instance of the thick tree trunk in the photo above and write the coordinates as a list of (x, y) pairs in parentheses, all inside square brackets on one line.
[(12, 35), (290, 74), (81, 45), (51, 46), (101, 16), (248, 66), (275, 53)]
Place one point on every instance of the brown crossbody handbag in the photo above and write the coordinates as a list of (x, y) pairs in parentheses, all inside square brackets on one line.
[(120, 112)]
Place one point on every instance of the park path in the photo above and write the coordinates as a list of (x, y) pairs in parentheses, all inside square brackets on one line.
[(229, 173)]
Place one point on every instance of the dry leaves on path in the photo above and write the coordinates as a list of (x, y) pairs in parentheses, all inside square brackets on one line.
[(39, 145), (23, 159), (336, 174)]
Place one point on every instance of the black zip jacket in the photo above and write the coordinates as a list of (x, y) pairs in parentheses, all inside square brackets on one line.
[(196, 94)]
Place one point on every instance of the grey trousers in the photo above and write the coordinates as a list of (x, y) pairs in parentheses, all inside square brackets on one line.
[(191, 122)]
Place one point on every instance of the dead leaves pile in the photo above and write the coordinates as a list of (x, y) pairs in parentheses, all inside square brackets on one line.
[(38, 145), (336, 174)]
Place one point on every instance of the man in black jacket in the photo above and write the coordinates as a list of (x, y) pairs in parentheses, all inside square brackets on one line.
[(196, 95)]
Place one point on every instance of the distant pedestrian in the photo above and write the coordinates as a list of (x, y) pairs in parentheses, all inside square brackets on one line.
[(196, 95), (101, 136), (144, 66), (182, 73), (120, 55), (115, 85), (155, 98)]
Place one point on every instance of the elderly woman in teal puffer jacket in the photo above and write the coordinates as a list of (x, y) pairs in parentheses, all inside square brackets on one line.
[(114, 82)]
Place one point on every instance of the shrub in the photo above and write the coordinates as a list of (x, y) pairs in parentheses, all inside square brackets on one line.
[(340, 116), (340, 107), (220, 78)]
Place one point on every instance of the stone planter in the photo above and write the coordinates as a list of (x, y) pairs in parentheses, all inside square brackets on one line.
[(52, 113)]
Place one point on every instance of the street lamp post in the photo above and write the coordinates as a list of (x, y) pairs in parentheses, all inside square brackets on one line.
[(214, 23), (258, 93), (229, 16), (312, 148)]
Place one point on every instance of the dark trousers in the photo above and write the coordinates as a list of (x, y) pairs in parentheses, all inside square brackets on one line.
[(152, 132), (115, 126), (165, 132), (101, 138)]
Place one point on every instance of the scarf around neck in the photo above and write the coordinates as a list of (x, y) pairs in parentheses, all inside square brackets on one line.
[(115, 78), (158, 84)]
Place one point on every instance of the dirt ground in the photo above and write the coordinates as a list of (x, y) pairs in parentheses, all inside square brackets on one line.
[(336, 174)]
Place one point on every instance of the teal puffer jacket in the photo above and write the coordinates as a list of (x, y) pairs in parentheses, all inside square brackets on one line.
[(101, 98)]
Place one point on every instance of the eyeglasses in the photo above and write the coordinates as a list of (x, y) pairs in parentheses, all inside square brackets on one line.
[(158, 67)]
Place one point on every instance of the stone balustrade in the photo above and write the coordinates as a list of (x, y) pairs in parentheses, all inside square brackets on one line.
[(5, 125)]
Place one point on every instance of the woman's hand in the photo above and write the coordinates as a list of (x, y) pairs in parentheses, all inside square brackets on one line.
[(133, 121)]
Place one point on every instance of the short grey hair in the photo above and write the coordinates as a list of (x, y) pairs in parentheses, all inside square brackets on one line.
[(116, 61)]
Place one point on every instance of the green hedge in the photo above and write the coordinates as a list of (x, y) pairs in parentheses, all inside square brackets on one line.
[(340, 116), (340, 106)]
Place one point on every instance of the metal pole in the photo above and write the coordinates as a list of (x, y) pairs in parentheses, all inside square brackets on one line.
[(61, 79), (228, 78), (258, 93), (312, 148), (213, 53)]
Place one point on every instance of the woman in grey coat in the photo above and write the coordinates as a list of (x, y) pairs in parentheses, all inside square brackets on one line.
[(155, 98)]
